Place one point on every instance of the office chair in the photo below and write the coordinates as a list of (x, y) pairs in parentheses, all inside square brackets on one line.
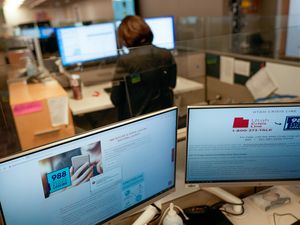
[(159, 83)]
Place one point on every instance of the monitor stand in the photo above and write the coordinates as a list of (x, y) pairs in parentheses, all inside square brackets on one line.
[(236, 206)]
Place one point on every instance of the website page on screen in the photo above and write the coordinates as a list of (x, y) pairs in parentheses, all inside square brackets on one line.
[(243, 144), (92, 178), (85, 43)]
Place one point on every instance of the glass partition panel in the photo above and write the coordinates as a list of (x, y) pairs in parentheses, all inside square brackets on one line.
[(213, 66)]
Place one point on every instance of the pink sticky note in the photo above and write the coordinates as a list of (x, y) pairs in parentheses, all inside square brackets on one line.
[(26, 108)]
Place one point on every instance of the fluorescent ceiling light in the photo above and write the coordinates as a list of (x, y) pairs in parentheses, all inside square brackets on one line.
[(12, 4)]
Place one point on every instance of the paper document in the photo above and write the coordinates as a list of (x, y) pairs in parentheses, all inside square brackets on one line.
[(270, 198), (261, 85), (242, 67), (227, 70), (28, 107), (58, 108)]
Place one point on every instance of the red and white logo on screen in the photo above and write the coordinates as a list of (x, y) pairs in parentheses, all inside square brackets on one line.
[(240, 122)]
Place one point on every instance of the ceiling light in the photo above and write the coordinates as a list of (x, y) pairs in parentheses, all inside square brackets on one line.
[(12, 4)]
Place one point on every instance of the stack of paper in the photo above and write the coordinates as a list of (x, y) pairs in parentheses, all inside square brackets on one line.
[(261, 85)]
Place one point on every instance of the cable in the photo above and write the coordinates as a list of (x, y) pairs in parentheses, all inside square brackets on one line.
[(158, 214), (167, 210), (283, 214)]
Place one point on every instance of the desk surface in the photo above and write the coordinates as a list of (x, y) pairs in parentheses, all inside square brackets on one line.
[(20, 92), (255, 215), (96, 99)]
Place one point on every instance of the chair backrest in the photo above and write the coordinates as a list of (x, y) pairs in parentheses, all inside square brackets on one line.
[(150, 90)]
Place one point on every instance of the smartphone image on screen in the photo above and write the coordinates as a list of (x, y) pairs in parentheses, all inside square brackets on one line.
[(78, 161)]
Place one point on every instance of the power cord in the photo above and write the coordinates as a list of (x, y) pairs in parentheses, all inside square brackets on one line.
[(157, 215), (168, 209), (283, 214)]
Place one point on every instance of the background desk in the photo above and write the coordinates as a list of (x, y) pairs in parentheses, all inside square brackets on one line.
[(95, 98), (34, 124)]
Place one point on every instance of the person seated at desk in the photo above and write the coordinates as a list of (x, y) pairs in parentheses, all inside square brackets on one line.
[(138, 87)]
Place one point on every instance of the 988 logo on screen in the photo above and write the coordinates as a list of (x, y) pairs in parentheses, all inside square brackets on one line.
[(59, 179)]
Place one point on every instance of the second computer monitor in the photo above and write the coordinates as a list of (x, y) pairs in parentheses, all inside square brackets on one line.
[(86, 43), (163, 31), (243, 145)]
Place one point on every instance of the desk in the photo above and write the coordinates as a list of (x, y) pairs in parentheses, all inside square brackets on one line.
[(96, 99), (255, 215), (29, 104)]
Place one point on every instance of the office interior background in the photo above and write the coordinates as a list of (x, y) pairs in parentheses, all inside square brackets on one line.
[(238, 37), (226, 51)]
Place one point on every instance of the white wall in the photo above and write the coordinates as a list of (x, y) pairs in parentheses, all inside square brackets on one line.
[(91, 10), (179, 8)]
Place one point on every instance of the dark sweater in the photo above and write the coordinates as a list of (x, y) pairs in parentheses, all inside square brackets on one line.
[(143, 70)]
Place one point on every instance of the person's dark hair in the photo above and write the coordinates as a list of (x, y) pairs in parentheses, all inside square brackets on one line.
[(134, 32)]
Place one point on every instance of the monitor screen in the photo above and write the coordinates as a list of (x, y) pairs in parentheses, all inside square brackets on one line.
[(86, 43), (46, 32), (30, 32), (163, 31), (244, 144), (92, 178)]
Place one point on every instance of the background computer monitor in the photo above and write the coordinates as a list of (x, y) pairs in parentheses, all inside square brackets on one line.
[(86, 43), (243, 145), (131, 163), (46, 32), (163, 31), (30, 32)]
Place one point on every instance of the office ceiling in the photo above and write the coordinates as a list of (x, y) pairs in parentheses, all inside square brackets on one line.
[(47, 3)]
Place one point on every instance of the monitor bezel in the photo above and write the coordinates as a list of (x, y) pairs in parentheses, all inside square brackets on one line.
[(234, 183), (127, 212), (60, 49)]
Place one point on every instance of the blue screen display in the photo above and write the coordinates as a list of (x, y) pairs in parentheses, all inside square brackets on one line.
[(86, 43), (94, 177)]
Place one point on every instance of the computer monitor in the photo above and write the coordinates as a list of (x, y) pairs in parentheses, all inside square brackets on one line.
[(163, 31), (86, 43), (46, 32), (243, 145), (92, 178), (30, 32)]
